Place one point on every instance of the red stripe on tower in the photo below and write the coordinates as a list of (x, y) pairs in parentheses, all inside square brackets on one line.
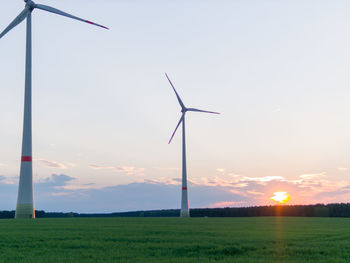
[(184, 188), (27, 159)]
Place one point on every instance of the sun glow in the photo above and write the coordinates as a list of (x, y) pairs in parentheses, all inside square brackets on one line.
[(281, 197)]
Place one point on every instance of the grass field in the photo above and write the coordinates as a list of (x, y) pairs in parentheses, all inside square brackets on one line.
[(259, 239)]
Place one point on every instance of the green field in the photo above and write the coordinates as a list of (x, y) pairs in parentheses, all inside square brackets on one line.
[(258, 239)]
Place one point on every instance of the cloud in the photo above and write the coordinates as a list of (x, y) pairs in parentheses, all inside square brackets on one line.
[(72, 164), (167, 168), (342, 169), (100, 167), (51, 164), (56, 180), (8, 193), (58, 193), (128, 170), (304, 189), (312, 176), (165, 193), (227, 204), (240, 185), (163, 181), (9, 180), (263, 180), (255, 193), (61, 192)]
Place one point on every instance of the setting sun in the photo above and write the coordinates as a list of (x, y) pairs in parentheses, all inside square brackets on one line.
[(281, 197)]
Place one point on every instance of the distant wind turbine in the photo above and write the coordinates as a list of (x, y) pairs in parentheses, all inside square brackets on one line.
[(184, 194), (25, 200)]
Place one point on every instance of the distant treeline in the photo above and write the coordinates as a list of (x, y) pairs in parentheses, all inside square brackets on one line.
[(318, 210)]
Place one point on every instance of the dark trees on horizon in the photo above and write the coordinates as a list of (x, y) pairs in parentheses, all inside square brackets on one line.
[(318, 210)]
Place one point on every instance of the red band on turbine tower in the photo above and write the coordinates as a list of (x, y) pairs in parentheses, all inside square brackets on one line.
[(184, 188), (26, 158)]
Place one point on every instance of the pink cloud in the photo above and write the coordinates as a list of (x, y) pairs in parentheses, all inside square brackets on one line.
[(129, 170), (255, 193), (163, 180), (227, 204), (100, 167), (167, 168), (304, 189), (51, 164)]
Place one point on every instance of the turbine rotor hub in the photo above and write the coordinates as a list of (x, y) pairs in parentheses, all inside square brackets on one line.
[(30, 4)]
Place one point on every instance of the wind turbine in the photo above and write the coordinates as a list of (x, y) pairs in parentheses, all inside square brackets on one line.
[(25, 200), (184, 193)]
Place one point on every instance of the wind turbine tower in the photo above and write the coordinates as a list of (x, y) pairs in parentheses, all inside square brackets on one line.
[(185, 212), (25, 200)]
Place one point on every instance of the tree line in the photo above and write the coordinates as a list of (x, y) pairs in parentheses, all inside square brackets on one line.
[(318, 210)]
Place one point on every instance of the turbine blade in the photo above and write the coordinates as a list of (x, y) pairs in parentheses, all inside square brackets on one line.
[(197, 110), (177, 95), (177, 126), (16, 21), (59, 12)]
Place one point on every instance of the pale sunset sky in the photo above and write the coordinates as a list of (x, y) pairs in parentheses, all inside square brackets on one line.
[(103, 111)]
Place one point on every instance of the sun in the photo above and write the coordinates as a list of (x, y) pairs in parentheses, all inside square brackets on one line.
[(281, 197)]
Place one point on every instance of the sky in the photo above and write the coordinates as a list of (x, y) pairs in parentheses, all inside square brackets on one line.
[(103, 111)]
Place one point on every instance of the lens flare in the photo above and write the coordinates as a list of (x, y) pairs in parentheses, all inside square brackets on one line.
[(281, 197)]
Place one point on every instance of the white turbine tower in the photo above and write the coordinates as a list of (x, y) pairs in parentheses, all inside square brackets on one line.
[(25, 200), (184, 193)]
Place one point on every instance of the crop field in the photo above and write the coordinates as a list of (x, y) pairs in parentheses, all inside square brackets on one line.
[(258, 239)]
